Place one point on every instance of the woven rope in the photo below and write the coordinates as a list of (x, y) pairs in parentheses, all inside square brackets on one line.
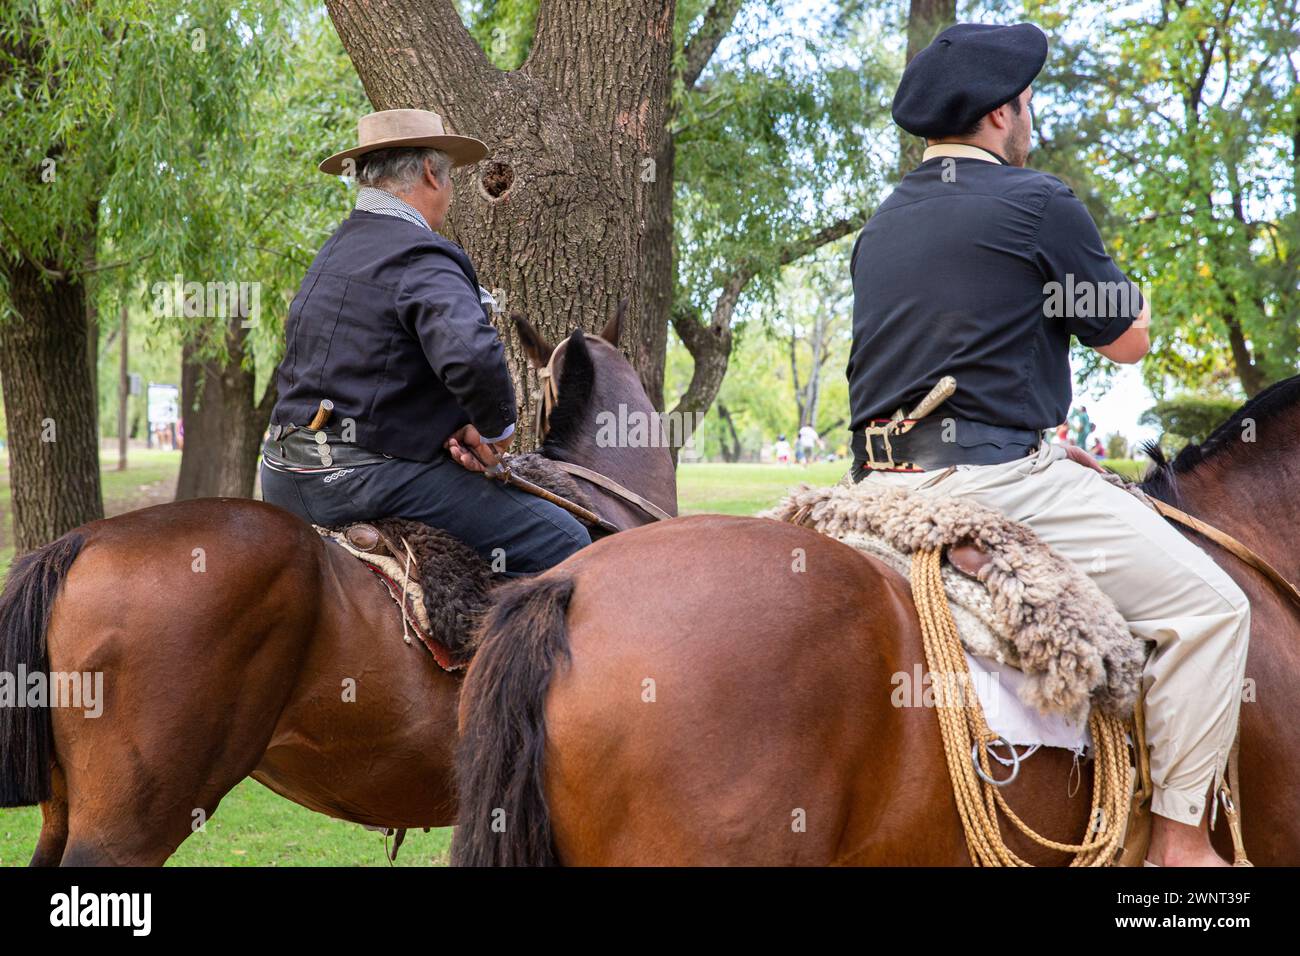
[(961, 721)]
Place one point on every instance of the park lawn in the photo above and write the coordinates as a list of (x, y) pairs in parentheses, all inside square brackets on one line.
[(746, 489), (255, 827)]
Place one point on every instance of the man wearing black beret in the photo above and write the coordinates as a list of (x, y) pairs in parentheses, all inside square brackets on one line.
[(980, 269)]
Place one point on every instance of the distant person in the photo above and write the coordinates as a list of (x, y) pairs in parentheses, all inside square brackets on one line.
[(1081, 425), (782, 450), (807, 441)]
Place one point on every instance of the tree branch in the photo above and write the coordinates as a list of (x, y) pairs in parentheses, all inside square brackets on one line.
[(710, 344), (703, 43)]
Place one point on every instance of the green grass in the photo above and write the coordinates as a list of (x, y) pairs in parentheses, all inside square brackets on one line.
[(746, 488), (253, 826)]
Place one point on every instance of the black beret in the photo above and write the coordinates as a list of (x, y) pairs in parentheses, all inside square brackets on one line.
[(967, 72)]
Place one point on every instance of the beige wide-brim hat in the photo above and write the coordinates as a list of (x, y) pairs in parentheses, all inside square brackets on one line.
[(389, 129)]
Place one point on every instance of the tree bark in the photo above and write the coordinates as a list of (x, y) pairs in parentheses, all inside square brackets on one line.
[(50, 405), (573, 132), (223, 421), (732, 455), (926, 19)]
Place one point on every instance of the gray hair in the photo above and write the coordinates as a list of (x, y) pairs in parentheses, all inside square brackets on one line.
[(401, 168)]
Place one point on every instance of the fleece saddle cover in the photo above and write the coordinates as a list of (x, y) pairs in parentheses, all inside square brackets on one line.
[(1030, 609), (439, 582)]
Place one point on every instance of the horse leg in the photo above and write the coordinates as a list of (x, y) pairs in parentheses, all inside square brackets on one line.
[(54, 823)]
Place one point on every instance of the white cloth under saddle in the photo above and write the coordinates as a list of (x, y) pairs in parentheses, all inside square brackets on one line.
[(997, 684)]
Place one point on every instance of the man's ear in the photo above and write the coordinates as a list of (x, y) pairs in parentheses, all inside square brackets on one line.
[(614, 327), (536, 348)]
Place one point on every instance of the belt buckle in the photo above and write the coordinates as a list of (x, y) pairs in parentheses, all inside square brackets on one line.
[(896, 426)]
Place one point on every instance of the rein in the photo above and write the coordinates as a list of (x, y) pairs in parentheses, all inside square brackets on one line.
[(549, 398), (1232, 545)]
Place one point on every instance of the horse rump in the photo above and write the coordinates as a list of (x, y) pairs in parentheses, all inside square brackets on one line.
[(503, 818), (25, 732)]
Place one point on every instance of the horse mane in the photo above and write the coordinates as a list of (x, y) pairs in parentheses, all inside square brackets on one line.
[(1162, 480), (577, 382)]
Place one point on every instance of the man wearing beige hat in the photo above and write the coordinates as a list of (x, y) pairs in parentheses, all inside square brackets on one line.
[(391, 326)]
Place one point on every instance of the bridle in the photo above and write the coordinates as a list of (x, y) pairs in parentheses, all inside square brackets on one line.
[(548, 398)]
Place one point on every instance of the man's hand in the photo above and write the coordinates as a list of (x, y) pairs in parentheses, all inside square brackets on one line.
[(470, 451), (1075, 453)]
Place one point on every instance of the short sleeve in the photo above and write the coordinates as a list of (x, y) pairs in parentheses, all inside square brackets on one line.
[(1096, 301)]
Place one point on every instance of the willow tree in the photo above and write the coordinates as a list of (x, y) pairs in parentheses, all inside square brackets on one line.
[(555, 218)]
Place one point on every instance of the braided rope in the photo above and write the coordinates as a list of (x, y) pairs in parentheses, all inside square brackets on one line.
[(962, 724)]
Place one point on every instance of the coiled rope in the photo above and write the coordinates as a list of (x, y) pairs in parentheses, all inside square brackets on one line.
[(961, 721)]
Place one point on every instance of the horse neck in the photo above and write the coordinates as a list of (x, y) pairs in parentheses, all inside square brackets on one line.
[(1247, 491), (619, 409)]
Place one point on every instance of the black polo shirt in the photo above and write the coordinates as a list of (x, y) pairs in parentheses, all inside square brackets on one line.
[(952, 276)]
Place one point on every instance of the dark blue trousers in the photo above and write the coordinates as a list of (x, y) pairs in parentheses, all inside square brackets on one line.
[(516, 532)]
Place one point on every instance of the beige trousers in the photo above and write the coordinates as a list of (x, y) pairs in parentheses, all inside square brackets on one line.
[(1166, 588)]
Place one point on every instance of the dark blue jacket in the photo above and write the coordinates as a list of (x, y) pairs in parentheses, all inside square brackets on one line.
[(388, 325)]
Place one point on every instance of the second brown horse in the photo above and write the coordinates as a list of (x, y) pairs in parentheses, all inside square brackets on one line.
[(717, 690)]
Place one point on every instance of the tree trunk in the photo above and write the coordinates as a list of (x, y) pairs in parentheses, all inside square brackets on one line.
[(556, 217), (732, 455), (50, 406), (223, 422), (926, 19), (659, 277), (1248, 371), (123, 391)]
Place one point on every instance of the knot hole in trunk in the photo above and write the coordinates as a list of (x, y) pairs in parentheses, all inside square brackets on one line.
[(496, 181)]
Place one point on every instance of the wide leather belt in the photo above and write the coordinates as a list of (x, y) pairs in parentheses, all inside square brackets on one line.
[(939, 441), (290, 447)]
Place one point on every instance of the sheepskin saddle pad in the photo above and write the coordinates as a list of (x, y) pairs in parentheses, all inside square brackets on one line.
[(439, 582), (1029, 608)]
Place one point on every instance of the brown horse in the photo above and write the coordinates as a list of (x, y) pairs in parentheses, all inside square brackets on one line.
[(233, 642), (676, 695)]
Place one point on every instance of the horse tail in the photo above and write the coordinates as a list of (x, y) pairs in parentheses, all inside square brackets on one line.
[(503, 818), (26, 738)]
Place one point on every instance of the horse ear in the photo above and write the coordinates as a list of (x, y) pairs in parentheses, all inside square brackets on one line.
[(613, 329), (536, 348)]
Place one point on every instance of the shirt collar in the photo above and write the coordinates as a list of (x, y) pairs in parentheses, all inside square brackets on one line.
[(370, 199), (962, 151)]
